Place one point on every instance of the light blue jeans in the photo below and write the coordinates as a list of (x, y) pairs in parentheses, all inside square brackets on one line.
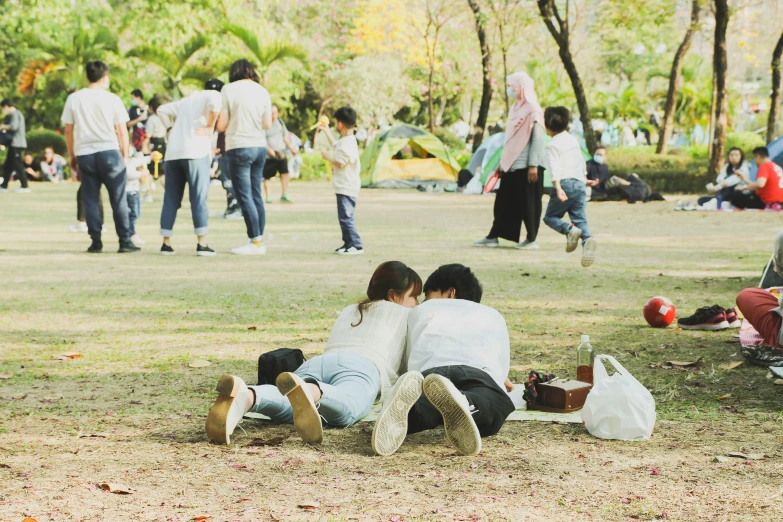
[(575, 207), (349, 385)]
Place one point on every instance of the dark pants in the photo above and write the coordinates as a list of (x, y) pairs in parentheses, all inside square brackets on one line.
[(80, 205), (104, 168), (134, 210), (757, 305), (14, 164), (225, 179), (742, 200), (246, 166), (725, 194), (492, 405), (516, 201), (346, 205)]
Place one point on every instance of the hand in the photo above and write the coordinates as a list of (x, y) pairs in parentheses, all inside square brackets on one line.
[(532, 174), (592, 182), (561, 195), (74, 165), (508, 385), (143, 116)]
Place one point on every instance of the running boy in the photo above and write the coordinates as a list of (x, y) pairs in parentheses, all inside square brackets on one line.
[(563, 159), (345, 177)]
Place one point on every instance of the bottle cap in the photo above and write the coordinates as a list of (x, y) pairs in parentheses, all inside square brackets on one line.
[(585, 338)]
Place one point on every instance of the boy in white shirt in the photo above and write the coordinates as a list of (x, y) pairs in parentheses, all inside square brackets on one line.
[(458, 359), (346, 178), (566, 165)]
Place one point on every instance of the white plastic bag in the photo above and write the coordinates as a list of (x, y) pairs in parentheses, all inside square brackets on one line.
[(618, 407)]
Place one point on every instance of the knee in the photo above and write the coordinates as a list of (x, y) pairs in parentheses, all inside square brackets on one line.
[(493, 427), (744, 298)]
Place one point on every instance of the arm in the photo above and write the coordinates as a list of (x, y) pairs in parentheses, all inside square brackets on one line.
[(69, 144), (287, 142), (122, 135), (167, 114), (222, 122), (266, 119), (142, 117), (536, 158)]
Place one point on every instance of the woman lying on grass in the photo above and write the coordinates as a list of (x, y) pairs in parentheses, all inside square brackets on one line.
[(362, 359)]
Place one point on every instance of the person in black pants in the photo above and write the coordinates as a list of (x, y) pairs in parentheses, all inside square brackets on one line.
[(14, 125), (458, 360)]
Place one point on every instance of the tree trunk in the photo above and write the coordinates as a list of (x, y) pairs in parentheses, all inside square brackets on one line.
[(486, 68), (441, 111), (674, 80), (504, 53), (720, 65), (560, 33), (774, 101)]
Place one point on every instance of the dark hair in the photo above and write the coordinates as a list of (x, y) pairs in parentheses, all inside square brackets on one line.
[(391, 275), (729, 167), (6, 103), (601, 147), (556, 119), (213, 85), (458, 277), (346, 116), (137, 93), (242, 70), (762, 152), (154, 103), (96, 70)]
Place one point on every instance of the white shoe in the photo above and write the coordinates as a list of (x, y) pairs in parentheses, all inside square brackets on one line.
[(391, 428), (21, 190), (352, 251), (307, 421), (588, 252), (528, 245), (461, 429), (79, 226), (572, 239), (726, 206), (680, 205), (487, 242), (136, 240), (250, 250), (228, 410), (147, 199)]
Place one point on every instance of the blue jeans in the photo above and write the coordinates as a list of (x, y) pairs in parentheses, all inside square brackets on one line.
[(134, 210), (346, 205), (575, 206), (349, 386), (246, 166), (194, 172), (104, 168)]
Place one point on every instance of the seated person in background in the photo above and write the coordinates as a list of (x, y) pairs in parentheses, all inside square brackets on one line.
[(29, 169), (633, 189), (598, 175), (53, 165), (767, 190), (728, 178), (457, 361), (761, 308)]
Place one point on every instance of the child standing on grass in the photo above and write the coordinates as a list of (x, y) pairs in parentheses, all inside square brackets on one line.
[(346, 179), (563, 159)]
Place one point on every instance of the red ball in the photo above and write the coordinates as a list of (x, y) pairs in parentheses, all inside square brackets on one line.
[(659, 312)]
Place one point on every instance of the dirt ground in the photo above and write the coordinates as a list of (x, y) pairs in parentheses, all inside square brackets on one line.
[(131, 411)]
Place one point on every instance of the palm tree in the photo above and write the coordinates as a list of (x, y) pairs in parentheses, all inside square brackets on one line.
[(267, 55), (175, 65)]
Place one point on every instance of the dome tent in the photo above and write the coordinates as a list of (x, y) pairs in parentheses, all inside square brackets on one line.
[(433, 161)]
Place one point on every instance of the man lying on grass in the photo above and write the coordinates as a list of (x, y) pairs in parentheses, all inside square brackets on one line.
[(458, 360)]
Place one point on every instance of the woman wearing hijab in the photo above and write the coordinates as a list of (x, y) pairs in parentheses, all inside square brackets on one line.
[(521, 167)]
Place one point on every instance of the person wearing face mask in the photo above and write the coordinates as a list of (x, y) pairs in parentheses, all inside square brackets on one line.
[(15, 126), (97, 138), (598, 175), (521, 167)]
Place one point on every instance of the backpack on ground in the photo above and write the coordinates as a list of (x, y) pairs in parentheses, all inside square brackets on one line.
[(272, 364)]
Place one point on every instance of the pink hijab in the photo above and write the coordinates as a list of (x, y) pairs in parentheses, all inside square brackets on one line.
[(524, 114)]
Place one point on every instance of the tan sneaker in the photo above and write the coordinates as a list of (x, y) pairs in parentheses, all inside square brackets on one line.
[(461, 430), (391, 428), (588, 252), (306, 419), (228, 410)]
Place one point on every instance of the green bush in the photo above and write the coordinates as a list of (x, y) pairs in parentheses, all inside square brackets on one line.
[(39, 139), (449, 139), (463, 158), (666, 174), (314, 167), (747, 141)]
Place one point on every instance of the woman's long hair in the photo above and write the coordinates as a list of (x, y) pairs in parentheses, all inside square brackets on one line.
[(729, 167), (391, 275), (242, 70)]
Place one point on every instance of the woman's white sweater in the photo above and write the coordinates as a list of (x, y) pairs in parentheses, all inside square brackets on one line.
[(380, 338)]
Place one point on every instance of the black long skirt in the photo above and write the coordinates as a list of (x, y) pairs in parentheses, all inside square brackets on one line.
[(518, 200)]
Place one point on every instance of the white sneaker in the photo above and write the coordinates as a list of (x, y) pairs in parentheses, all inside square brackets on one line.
[(21, 190), (726, 206), (147, 199), (79, 226), (588, 252), (352, 251), (391, 428), (680, 205), (572, 239), (250, 250), (461, 429), (487, 242), (528, 245), (228, 410), (307, 421), (136, 240)]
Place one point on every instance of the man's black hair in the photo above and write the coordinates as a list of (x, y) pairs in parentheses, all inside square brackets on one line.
[(556, 119), (96, 70), (137, 93), (213, 85), (456, 276), (6, 103), (346, 116), (762, 152)]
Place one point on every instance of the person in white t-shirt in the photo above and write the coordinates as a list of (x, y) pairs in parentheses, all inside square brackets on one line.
[(458, 359), (192, 122), (564, 161), (346, 177), (245, 117), (97, 140)]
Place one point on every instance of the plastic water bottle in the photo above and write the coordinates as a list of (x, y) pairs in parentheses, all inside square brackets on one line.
[(584, 360)]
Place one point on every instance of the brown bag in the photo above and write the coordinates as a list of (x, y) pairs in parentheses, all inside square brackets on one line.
[(562, 395)]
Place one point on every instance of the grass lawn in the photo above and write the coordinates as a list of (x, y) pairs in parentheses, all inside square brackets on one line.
[(131, 410)]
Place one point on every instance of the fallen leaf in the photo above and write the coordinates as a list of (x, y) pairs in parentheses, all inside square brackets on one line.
[(96, 435), (309, 505), (731, 365), (243, 500), (6, 375), (199, 363), (683, 364), (72, 355), (727, 396), (202, 518), (116, 488), (777, 382), (52, 398), (3, 465), (721, 459), (237, 466), (252, 328), (273, 441), (654, 471)]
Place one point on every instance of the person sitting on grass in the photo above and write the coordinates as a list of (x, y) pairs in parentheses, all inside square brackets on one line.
[(598, 175), (53, 165), (763, 310), (361, 360), (457, 361), (29, 168), (728, 179), (766, 191)]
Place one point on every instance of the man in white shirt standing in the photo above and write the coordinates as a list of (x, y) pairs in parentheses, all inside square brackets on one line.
[(458, 360), (97, 141), (192, 122)]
